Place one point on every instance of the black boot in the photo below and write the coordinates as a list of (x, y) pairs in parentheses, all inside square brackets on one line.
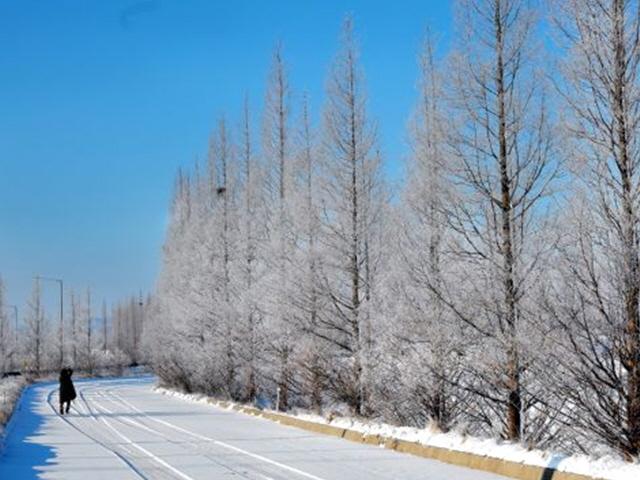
[(61, 409)]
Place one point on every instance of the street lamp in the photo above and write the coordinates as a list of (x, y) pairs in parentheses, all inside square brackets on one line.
[(60, 282)]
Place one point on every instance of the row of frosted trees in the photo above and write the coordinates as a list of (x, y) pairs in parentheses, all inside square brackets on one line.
[(496, 292), (36, 343)]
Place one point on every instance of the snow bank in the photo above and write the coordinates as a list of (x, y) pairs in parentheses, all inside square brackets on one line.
[(609, 468), (10, 389), (606, 468)]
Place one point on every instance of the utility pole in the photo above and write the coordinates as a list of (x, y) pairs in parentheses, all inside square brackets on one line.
[(61, 283)]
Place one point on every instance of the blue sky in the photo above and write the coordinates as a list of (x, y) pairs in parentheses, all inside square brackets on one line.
[(101, 102)]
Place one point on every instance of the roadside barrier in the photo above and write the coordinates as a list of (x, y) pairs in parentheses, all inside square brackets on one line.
[(498, 466)]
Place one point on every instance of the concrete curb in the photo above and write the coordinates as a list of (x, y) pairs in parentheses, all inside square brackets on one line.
[(463, 459)]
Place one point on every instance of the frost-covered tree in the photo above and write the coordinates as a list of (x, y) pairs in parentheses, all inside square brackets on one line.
[(73, 338), (224, 258), (89, 332), (595, 300), (500, 141), (279, 325), (127, 329), (425, 331), (82, 316), (352, 200), (105, 331), (308, 300), (250, 346), (180, 318), (6, 349), (35, 334), (477, 299)]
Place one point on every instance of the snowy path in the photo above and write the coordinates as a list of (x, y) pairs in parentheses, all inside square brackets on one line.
[(121, 429)]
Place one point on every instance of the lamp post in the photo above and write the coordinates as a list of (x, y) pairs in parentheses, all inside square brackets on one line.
[(61, 283)]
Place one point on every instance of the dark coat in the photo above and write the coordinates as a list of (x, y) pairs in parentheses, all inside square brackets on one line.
[(67, 391)]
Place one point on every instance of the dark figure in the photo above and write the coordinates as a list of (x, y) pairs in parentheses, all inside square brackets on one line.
[(67, 391)]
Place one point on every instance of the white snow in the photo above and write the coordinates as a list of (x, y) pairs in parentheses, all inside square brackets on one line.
[(118, 428), (10, 389), (606, 468)]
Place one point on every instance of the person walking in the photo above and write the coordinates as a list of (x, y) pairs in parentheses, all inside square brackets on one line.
[(67, 390)]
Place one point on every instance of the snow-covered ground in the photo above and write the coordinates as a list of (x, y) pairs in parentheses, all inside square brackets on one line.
[(607, 468), (122, 429), (10, 389)]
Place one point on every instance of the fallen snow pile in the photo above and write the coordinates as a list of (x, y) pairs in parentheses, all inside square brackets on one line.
[(10, 389), (609, 468), (606, 468)]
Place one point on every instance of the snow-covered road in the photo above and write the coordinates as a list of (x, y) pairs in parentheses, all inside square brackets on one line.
[(121, 429)]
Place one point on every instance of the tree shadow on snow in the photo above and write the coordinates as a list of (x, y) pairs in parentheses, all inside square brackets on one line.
[(23, 456)]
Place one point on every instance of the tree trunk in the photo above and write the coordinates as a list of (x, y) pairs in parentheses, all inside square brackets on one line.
[(355, 244), (631, 360), (513, 368)]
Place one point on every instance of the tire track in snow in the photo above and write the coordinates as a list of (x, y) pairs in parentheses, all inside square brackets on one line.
[(124, 447), (371, 472), (218, 442), (122, 458), (87, 410), (133, 444), (146, 428)]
